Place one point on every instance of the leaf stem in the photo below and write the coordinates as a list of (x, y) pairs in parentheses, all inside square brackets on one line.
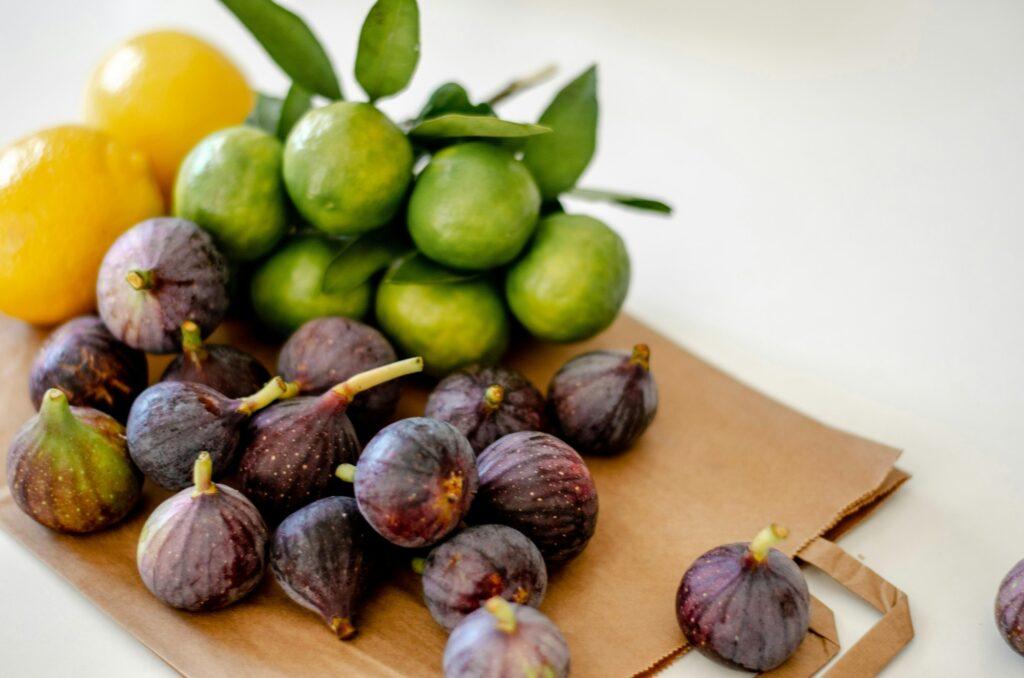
[(522, 84)]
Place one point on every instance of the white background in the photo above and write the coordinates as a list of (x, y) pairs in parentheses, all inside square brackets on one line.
[(847, 178)]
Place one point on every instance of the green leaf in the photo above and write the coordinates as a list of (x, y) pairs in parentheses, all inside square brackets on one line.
[(389, 47), (640, 203), (265, 113), (296, 103), (416, 269), (451, 97), (290, 43), (558, 159), (452, 125), (362, 258)]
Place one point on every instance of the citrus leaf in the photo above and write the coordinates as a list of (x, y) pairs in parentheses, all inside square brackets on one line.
[(290, 43), (389, 47), (451, 97), (452, 125), (265, 113), (295, 104), (635, 201), (416, 269), (361, 259)]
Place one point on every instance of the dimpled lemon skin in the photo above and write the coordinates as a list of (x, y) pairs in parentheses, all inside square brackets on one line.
[(161, 93), (347, 167), (572, 281), (65, 195), (473, 207)]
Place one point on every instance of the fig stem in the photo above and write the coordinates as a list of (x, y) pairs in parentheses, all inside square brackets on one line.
[(419, 565), (192, 341), (641, 356), (141, 279), (342, 626), (55, 411), (346, 472), (291, 389), (765, 540), (270, 392), (503, 613), (493, 397), (363, 381), (202, 475)]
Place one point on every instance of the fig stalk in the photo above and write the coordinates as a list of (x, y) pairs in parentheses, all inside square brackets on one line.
[(493, 397), (274, 389), (641, 356), (55, 412), (342, 627), (504, 615), (346, 472), (363, 381), (192, 342), (202, 475), (765, 540), (419, 565), (141, 279)]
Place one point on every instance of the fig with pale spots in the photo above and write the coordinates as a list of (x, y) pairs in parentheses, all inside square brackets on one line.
[(224, 368), (1010, 608)]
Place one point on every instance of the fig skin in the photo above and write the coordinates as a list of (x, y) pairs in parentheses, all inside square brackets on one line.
[(324, 556), (539, 485), (68, 468), (223, 368), (505, 640), (602, 401), (1010, 608), (486, 403), (203, 548), (745, 605), (94, 369), (156, 275), (477, 564)]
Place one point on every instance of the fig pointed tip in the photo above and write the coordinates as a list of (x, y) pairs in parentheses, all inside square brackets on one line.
[(342, 627)]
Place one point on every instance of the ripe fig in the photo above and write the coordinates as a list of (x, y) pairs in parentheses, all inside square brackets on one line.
[(68, 467), (203, 548), (323, 556), (415, 481), (83, 359), (745, 605), (477, 564), (603, 401), (505, 640), (485, 403), (539, 485), (293, 448), (1010, 608), (223, 368), (329, 350), (158, 274), (171, 420)]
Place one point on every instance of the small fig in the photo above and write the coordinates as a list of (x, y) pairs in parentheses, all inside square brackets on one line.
[(94, 369), (486, 403), (477, 564), (171, 420), (227, 369), (323, 556), (415, 481), (603, 401), (539, 485), (745, 605), (505, 640), (68, 467), (1010, 608), (158, 274), (203, 548)]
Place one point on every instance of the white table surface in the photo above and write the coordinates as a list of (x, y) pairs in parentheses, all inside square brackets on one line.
[(847, 238)]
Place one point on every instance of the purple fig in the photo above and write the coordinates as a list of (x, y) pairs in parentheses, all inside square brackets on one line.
[(1010, 608), (486, 403), (227, 369), (602, 401), (477, 564), (173, 420), (158, 274), (745, 605), (537, 484), (293, 447), (415, 481), (68, 467), (323, 556), (505, 640), (203, 548), (326, 351)]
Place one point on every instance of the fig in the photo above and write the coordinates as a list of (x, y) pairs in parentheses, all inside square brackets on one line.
[(1010, 608), (94, 369), (323, 556), (602, 401), (203, 548), (477, 564), (68, 467), (415, 481), (158, 274), (329, 350), (293, 448), (486, 403), (172, 420), (745, 605), (539, 485), (506, 640), (227, 369)]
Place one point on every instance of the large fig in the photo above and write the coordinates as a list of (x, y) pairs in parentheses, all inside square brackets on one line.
[(537, 484), (223, 368), (205, 547), (745, 605), (68, 467), (1010, 608)]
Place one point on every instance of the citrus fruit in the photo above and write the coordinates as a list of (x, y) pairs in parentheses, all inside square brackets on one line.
[(572, 281), (346, 167), (161, 93), (230, 184), (66, 193), (473, 207)]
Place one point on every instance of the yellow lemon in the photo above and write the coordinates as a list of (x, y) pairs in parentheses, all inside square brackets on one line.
[(65, 195), (161, 93)]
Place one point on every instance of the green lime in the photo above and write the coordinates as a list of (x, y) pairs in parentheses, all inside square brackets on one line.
[(474, 207), (572, 281), (230, 184), (288, 288), (346, 167)]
